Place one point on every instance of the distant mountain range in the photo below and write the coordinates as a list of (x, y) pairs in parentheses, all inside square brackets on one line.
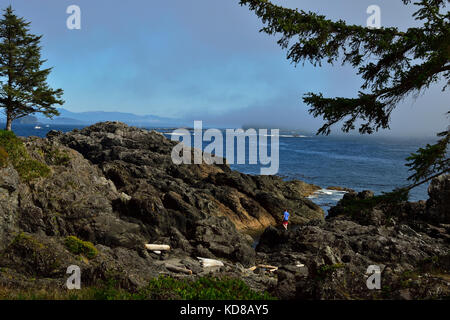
[(67, 117)]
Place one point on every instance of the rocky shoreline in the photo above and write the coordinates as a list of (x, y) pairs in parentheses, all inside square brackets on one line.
[(116, 187)]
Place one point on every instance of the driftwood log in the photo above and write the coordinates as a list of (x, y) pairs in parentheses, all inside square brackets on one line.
[(158, 247), (173, 268), (264, 266), (206, 262)]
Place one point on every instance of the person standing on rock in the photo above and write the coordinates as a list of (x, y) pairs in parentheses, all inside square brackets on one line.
[(285, 219)]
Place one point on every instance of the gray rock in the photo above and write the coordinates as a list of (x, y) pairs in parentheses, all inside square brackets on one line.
[(438, 205)]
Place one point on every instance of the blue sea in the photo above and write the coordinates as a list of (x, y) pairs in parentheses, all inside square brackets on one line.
[(359, 163)]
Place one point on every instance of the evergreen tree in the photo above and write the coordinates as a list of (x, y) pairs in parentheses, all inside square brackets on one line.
[(392, 63), (23, 86)]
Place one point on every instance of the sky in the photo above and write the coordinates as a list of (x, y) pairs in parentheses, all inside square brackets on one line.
[(205, 60)]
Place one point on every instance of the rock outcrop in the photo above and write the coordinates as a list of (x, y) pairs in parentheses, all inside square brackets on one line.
[(329, 260), (438, 205), (409, 242), (138, 162), (117, 187)]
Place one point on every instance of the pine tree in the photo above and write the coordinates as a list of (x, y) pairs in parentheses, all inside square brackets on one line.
[(392, 63), (23, 86)]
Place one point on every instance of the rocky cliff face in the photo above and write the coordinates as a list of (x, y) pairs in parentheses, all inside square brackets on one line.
[(116, 186), (438, 205), (409, 242), (138, 163)]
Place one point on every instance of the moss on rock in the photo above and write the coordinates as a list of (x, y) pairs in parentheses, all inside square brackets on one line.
[(14, 152), (3, 157), (77, 246)]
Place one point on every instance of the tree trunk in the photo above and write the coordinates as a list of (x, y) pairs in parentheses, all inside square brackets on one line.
[(8, 123)]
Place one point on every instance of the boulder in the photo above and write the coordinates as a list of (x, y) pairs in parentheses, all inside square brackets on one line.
[(438, 204), (9, 203)]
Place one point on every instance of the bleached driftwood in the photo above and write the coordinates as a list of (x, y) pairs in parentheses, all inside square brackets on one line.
[(263, 266), (266, 266), (157, 247), (210, 262), (269, 267), (300, 265), (178, 269)]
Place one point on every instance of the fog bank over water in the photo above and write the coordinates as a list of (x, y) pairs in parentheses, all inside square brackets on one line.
[(416, 117)]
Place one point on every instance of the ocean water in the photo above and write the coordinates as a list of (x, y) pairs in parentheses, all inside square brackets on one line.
[(359, 163)]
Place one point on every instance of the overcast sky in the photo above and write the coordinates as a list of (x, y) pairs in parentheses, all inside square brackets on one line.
[(204, 60)]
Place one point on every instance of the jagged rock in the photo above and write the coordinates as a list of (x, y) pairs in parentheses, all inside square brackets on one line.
[(365, 194), (338, 188), (438, 205), (272, 238), (338, 253), (218, 236), (139, 163), (117, 187), (9, 203)]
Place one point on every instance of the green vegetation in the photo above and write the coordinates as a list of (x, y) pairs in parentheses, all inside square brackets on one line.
[(12, 145), (3, 157), (15, 153), (37, 257), (206, 288), (53, 155), (58, 157), (407, 278), (326, 270), (30, 169), (24, 89), (357, 207), (430, 161), (435, 265), (77, 246), (27, 241), (386, 292)]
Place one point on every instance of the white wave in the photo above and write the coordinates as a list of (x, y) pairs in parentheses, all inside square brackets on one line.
[(325, 191), (296, 136), (286, 136), (174, 134)]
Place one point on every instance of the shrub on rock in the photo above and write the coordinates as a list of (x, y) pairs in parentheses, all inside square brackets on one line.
[(77, 246), (15, 152)]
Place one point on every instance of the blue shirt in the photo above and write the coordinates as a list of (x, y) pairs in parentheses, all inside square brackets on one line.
[(286, 216)]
